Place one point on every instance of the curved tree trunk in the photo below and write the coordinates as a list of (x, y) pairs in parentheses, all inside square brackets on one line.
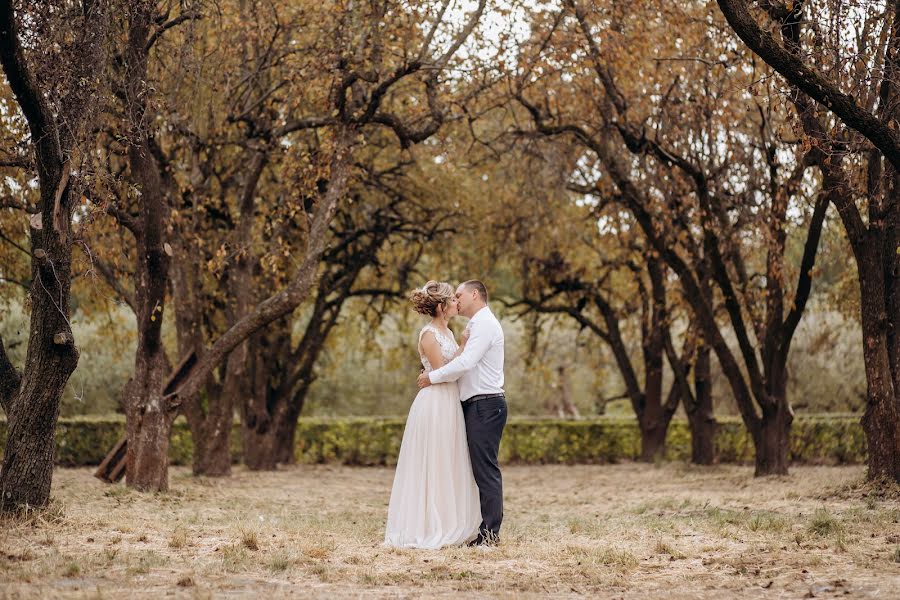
[(32, 401), (875, 243), (51, 358), (148, 416)]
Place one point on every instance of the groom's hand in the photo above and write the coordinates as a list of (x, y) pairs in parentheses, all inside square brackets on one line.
[(423, 381)]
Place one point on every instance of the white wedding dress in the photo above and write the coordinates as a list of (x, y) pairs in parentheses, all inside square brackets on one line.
[(434, 500)]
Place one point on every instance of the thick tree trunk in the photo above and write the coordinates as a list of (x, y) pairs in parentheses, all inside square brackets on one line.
[(212, 447), (30, 443), (261, 408), (260, 444), (701, 419), (772, 440), (653, 437), (148, 425), (273, 405), (148, 415), (32, 410), (285, 443), (211, 421), (51, 357), (881, 420), (259, 431)]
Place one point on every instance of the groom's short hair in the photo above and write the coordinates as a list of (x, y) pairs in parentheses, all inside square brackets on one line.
[(474, 284)]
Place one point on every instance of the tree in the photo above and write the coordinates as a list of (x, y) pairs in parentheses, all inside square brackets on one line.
[(587, 262), (302, 100), (845, 92), (376, 243), (701, 174), (54, 77)]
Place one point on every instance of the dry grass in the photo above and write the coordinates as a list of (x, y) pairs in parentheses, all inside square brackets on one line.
[(625, 531)]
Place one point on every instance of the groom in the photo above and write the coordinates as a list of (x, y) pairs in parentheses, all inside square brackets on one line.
[(479, 370)]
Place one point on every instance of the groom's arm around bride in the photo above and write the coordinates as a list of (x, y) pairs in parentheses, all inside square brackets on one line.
[(479, 371)]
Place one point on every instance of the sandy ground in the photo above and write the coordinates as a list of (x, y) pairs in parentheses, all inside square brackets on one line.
[(617, 531)]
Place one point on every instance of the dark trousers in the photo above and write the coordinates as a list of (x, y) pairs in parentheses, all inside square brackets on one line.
[(485, 420)]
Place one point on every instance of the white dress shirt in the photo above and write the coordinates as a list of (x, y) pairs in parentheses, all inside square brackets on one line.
[(479, 369)]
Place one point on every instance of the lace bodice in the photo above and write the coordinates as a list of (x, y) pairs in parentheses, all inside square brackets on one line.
[(447, 343)]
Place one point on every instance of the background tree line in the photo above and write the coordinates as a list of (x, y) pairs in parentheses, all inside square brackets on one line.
[(663, 198)]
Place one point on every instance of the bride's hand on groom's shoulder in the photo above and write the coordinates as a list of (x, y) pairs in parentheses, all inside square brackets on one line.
[(465, 336)]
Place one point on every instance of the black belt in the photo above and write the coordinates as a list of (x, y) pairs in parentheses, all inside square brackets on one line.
[(475, 399)]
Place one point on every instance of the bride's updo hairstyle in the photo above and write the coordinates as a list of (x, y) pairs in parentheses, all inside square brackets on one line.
[(426, 299)]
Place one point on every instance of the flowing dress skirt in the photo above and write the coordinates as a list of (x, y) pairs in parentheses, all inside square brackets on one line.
[(434, 500)]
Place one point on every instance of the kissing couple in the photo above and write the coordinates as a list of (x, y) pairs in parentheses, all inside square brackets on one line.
[(447, 488)]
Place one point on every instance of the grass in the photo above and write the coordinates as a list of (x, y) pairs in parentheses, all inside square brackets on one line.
[(249, 540), (628, 530), (824, 524), (179, 538)]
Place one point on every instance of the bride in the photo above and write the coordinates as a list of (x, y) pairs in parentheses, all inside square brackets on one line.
[(434, 500)]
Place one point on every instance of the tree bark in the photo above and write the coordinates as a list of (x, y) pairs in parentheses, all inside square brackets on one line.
[(286, 433), (284, 302), (876, 245), (148, 418), (147, 424), (772, 441), (10, 380), (32, 401), (881, 420), (654, 426), (701, 419), (211, 429), (263, 411)]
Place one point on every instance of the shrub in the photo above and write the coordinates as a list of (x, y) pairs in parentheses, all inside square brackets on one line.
[(823, 439)]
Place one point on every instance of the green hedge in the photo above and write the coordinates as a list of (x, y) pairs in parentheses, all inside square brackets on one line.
[(823, 439)]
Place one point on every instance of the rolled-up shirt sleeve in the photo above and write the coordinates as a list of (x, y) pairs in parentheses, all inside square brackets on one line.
[(479, 342)]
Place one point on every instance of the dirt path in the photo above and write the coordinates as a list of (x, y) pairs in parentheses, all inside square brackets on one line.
[(617, 531)]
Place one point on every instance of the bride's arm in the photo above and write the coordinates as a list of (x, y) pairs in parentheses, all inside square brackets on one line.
[(432, 350)]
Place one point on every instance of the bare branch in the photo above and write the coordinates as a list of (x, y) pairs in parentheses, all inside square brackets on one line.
[(812, 83), (188, 16)]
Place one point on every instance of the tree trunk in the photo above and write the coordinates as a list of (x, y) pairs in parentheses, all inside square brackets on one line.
[(260, 446), (881, 420), (212, 439), (149, 416), (148, 425), (653, 438), (259, 432), (211, 420), (701, 418), (285, 444), (32, 401), (771, 439), (30, 443), (261, 408), (273, 405), (50, 360)]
